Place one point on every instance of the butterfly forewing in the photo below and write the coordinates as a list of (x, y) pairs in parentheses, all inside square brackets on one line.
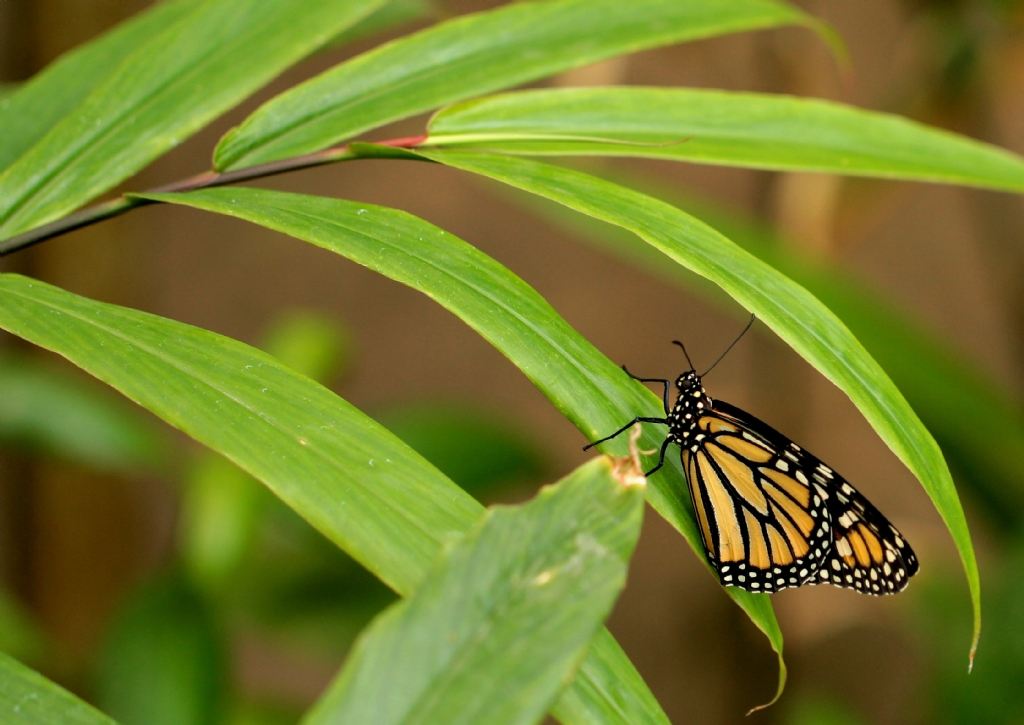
[(772, 516), (761, 525)]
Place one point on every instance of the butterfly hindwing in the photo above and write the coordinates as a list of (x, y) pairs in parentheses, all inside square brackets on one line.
[(870, 555)]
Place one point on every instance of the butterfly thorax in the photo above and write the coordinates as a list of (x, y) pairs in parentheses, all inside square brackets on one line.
[(691, 402)]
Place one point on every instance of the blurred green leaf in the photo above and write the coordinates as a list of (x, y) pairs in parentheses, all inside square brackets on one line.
[(221, 509), (478, 451), (721, 127), (250, 713), (162, 662), (820, 710), (20, 635), (590, 390), (59, 414), (504, 618), (6, 90), (467, 56), (794, 314), (992, 694), (978, 425), (165, 90), (311, 343), (28, 698), (392, 15), (351, 479), (54, 92)]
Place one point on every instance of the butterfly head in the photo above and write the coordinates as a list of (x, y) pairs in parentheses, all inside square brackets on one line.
[(689, 383)]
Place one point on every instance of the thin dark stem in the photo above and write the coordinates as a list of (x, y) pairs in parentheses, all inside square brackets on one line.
[(207, 180)]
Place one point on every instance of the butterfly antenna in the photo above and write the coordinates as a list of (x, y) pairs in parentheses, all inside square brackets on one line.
[(730, 346), (676, 342)]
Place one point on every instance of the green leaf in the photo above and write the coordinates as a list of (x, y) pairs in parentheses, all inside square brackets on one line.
[(504, 618), (792, 312), (163, 662), (584, 385), (222, 507), (980, 429), (28, 698), (39, 104), (308, 342), (352, 480), (721, 127), (58, 414), (392, 15), (327, 459), (162, 93), (467, 56), (221, 510)]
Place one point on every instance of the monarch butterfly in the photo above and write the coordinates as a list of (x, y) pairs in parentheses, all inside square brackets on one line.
[(770, 514)]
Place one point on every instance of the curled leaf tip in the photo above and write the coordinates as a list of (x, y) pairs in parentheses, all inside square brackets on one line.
[(627, 470)]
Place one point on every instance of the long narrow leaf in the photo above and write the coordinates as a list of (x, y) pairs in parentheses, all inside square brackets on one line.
[(54, 92), (719, 127), (354, 481), (505, 617), (794, 314), (28, 698), (163, 92), (477, 54), (583, 384)]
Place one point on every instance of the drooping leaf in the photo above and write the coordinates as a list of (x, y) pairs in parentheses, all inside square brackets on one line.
[(720, 127), (351, 479), (504, 618), (799, 318), (980, 429), (476, 54), (28, 698), (583, 384), (168, 88)]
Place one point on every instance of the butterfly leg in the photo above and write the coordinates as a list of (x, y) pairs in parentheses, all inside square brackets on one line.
[(661, 460), (666, 383), (663, 421)]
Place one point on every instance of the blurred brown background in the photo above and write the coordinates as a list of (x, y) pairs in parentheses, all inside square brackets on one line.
[(73, 542)]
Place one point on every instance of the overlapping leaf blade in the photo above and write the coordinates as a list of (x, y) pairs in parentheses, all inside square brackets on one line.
[(354, 481), (166, 89), (28, 698), (537, 579), (719, 127), (582, 383), (794, 314), (477, 54), (42, 102)]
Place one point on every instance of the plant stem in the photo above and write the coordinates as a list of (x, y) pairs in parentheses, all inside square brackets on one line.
[(206, 180)]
